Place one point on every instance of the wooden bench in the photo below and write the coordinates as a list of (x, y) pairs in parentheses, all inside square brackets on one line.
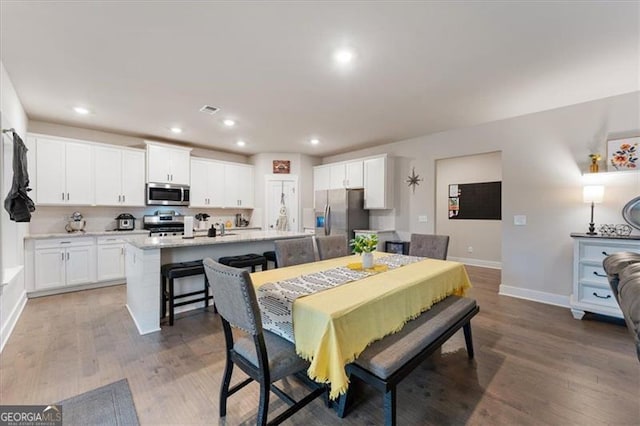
[(386, 362)]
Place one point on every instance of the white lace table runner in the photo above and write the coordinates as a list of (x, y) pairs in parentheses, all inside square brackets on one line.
[(276, 299)]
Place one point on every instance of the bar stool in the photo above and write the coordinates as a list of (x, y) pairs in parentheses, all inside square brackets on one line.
[(271, 256), (245, 261), (171, 271)]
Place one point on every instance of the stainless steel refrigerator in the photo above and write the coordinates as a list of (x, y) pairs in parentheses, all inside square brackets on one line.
[(340, 211)]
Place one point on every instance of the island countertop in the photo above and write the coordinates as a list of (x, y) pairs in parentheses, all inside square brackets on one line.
[(149, 243)]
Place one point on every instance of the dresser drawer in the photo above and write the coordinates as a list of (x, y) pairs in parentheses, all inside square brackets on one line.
[(596, 252), (593, 273), (597, 296)]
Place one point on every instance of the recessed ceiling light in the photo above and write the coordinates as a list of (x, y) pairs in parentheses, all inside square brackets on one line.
[(343, 56), (81, 110), (229, 123), (314, 141), (176, 130), (240, 143)]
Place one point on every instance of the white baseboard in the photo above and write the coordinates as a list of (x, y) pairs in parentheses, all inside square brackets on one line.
[(477, 262), (534, 295), (12, 320)]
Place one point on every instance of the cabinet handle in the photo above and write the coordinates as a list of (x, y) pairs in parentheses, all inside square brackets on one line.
[(67, 196), (62, 256), (63, 196), (168, 177), (171, 178), (605, 253), (123, 198), (599, 275), (67, 255), (608, 296), (119, 198), (122, 251), (65, 242)]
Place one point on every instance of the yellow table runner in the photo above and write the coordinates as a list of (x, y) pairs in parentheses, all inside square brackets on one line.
[(333, 327)]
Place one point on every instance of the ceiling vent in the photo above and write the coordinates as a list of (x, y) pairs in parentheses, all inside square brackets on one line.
[(209, 109)]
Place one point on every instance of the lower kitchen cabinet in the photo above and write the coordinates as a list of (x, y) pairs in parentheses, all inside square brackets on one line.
[(64, 262), (110, 259)]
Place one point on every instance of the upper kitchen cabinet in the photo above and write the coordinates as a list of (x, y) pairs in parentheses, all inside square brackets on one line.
[(207, 189), (378, 193), (119, 176), (167, 163), (64, 172), (238, 185), (338, 175)]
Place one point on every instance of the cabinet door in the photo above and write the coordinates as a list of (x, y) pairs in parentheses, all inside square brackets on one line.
[(354, 176), (245, 186), (180, 165), (108, 176), (80, 265), (132, 178), (79, 173), (321, 178), (158, 164), (110, 262), (199, 194), (232, 176), (50, 171), (337, 176), (375, 183), (49, 266), (216, 190)]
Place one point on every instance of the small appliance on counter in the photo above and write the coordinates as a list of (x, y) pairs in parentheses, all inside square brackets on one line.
[(241, 222), (75, 223), (125, 222)]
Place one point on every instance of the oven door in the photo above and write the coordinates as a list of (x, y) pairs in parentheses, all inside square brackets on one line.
[(164, 194)]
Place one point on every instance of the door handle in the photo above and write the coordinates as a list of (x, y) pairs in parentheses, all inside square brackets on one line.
[(328, 222), (326, 218)]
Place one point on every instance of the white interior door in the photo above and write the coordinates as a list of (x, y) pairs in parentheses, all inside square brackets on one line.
[(279, 190)]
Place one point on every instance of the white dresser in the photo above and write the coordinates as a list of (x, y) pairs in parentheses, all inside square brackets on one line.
[(591, 291)]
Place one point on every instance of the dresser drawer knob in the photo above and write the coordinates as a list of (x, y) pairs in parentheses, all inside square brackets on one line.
[(599, 275), (608, 296)]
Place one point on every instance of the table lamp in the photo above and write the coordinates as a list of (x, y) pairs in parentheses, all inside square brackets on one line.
[(592, 194)]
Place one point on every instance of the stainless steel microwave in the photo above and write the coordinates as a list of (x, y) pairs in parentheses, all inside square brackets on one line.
[(167, 194)]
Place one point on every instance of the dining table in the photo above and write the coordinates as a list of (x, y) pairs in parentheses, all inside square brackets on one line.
[(333, 309)]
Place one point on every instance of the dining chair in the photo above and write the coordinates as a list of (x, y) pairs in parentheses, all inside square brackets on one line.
[(294, 251), (433, 246), (262, 355), (332, 246)]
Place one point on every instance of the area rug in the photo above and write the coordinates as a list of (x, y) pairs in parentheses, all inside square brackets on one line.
[(108, 405)]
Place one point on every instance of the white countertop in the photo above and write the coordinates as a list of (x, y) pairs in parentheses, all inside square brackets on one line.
[(148, 243), (86, 234), (373, 231)]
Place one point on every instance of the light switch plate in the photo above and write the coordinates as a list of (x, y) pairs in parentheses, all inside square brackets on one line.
[(422, 218), (520, 220)]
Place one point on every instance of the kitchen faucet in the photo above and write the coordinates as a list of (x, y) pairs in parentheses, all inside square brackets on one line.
[(221, 229)]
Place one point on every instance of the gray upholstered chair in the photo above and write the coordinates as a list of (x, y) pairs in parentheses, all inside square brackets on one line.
[(262, 355), (294, 251), (433, 246), (332, 246)]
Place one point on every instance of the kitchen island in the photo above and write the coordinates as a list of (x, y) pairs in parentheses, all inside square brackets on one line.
[(145, 255)]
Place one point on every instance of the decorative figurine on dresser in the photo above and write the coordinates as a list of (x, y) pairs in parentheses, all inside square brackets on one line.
[(591, 290)]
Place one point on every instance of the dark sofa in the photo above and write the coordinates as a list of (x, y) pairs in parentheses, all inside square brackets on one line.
[(623, 272)]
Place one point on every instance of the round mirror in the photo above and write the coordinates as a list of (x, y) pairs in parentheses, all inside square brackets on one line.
[(631, 212)]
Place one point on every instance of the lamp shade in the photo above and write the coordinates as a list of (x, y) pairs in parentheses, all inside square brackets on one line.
[(593, 193)]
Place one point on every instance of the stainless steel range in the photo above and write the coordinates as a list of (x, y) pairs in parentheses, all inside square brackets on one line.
[(164, 223)]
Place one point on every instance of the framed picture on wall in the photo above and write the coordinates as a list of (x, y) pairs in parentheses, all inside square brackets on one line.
[(622, 154), (281, 166)]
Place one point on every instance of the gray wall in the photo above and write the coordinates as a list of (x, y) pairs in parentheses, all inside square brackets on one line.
[(543, 156)]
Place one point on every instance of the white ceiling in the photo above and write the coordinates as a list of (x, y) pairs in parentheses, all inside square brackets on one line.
[(142, 67)]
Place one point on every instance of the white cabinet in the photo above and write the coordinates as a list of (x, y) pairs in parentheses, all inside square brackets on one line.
[(337, 176), (321, 178), (354, 174), (63, 262), (238, 185), (167, 163), (110, 263), (207, 188), (591, 290), (119, 176), (64, 172), (378, 192)]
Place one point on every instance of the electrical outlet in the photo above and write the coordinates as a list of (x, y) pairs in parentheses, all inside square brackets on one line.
[(422, 218), (470, 249)]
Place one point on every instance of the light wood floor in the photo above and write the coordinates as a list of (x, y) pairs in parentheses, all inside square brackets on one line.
[(534, 365)]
